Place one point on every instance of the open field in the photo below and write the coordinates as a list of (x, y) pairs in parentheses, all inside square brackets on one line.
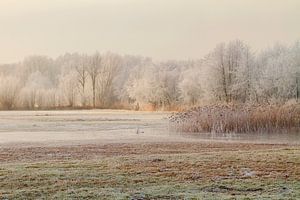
[(99, 155), (151, 171)]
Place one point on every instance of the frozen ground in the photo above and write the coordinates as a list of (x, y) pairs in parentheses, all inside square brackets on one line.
[(105, 126), (97, 154), (81, 126)]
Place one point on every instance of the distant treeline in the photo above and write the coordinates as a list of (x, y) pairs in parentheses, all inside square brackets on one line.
[(231, 72)]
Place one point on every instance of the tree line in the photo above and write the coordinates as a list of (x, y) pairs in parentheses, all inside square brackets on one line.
[(231, 72)]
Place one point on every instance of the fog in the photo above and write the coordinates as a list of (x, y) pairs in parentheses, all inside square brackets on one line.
[(169, 29)]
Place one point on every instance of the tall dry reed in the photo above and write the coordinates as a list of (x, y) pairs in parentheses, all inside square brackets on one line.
[(238, 118)]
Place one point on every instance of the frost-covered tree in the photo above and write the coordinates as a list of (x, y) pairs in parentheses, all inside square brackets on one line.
[(133, 69), (32, 91), (280, 73), (81, 67), (191, 89), (94, 69), (155, 86), (295, 56), (105, 90), (230, 71), (215, 66), (42, 64), (68, 89), (9, 91)]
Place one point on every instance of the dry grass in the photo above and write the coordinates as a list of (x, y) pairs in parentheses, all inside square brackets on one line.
[(238, 119), (151, 171)]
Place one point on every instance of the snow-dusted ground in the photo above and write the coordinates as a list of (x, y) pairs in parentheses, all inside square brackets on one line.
[(82, 126), (104, 126)]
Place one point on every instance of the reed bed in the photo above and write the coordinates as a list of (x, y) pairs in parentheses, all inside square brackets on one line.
[(238, 119)]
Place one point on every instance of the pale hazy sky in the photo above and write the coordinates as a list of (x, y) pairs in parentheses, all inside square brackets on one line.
[(162, 29)]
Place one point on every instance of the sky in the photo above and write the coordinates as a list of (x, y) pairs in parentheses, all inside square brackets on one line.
[(161, 29)]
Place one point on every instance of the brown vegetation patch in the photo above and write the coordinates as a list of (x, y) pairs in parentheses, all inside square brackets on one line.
[(85, 152), (150, 171), (238, 119)]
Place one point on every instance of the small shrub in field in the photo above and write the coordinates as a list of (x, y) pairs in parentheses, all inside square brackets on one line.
[(238, 119)]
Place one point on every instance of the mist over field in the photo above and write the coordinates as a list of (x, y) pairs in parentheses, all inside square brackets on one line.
[(149, 99)]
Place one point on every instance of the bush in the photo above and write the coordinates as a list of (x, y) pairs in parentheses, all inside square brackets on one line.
[(238, 118)]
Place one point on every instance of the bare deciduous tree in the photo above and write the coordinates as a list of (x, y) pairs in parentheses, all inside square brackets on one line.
[(9, 91), (94, 70), (82, 75), (109, 70)]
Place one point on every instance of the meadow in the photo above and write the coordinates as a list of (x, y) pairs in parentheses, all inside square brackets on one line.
[(98, 154)]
